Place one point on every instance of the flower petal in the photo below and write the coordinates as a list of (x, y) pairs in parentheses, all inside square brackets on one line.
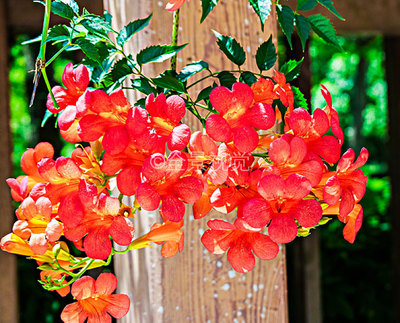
[(172, 208), (257, 212), (115, 140), (83, 288), (118, 305), (179, 138), (121, 232), (240, 257), (128, 180), (217, 128), (147, 197), (263, 247), (73, 313), (189, 189), (245, 139), (97, 244), (308, 213), (283, 228), (105, 284)]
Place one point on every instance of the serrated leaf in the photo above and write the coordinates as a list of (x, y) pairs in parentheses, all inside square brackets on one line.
[(248, 77), (88, 48), (192, 69), (291, 69), (323, 28), (226, 79), (299, 99), (286, 21), (143, 85), (157, 53), (328, 4), (132, 28), (169, 80), (205, 93), (46, 117), (266, 55), (118, 73), (263, 9), (58, 32), (304, 5), (73, 5), (303, 29), (96, 25), (207, 6), (62, 9), (231, 48), (98, 71)]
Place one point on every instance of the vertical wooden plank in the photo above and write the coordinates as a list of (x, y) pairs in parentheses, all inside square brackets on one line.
[(197, 286), (8, 264), (392, 65)]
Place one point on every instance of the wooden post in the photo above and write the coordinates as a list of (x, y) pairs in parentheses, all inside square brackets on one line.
[(392, 52), (8, 262), (303, 255), (197, 286)]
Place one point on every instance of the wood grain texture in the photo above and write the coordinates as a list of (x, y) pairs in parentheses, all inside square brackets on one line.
[(8, 262), (197, 286)]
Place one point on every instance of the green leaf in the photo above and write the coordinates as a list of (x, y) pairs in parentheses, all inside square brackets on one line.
[(88, 48), (205, 93), (143, 85), (107, 17), (46, 117), (118, 73), (328, 4), (291, 69), (266, 55), (248, 77), (231, 48), (207, 6), (169, 80), (303, 29), (263, 9), (132, 28), (96, 25), (304, 5), (226, 79), (157, 53), (57, 33), (72, 3), (33, 40), (99, 71), (299, 99), (141, 103), (323, 28), (192, 69), (286, 20), (63, 9)]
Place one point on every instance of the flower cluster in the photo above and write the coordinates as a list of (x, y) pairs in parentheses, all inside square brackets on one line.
[(279, 184)]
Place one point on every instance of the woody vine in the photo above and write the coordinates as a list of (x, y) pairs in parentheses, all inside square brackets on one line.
[(261, 153)]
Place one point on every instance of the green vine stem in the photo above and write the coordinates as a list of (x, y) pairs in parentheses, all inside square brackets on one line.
[(40, 68), (175, 31)]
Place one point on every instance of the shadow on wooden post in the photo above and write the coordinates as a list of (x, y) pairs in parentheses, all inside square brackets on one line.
[(8, 262), (197, 286)]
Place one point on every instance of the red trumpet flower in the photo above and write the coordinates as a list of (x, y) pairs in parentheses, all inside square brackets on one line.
[(240, 241)]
